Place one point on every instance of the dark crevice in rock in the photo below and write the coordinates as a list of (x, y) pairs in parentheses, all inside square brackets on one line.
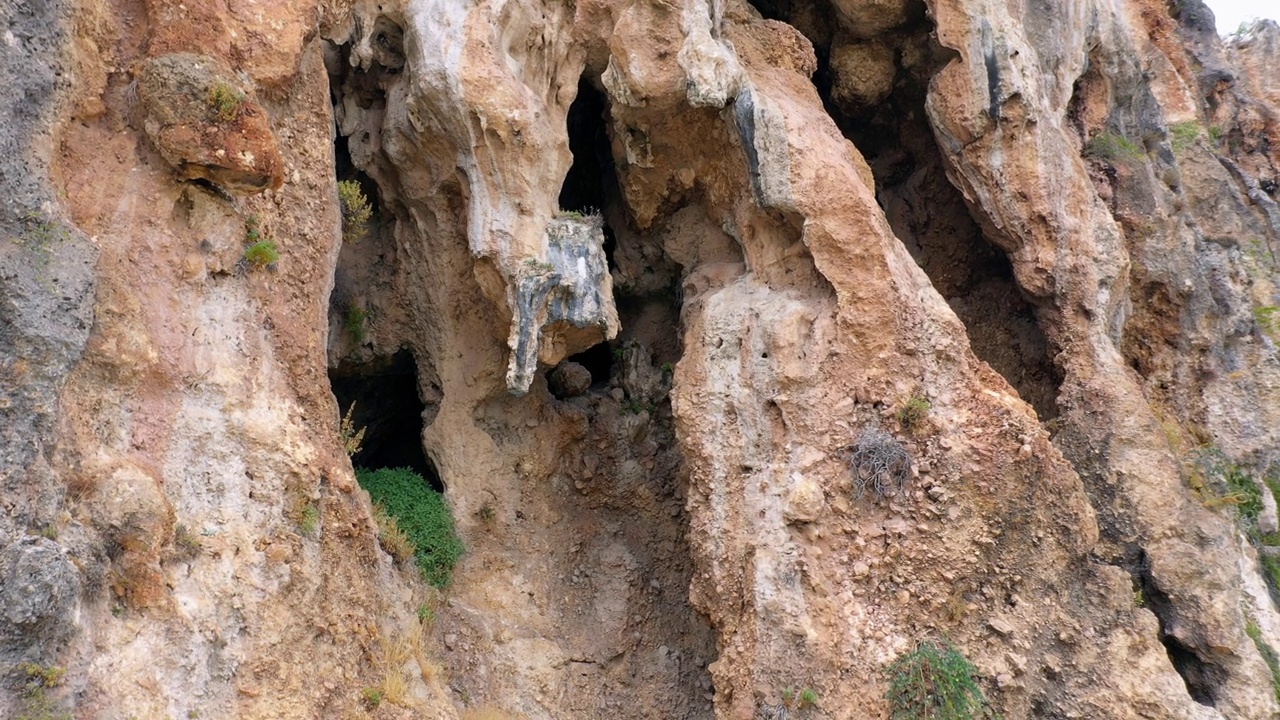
[(384, 391), (875, 89), (1203, 678), (591, 183), (598, 360)]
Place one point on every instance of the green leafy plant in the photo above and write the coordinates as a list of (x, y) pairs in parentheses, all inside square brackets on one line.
[(225, 102), (355, 320), (422, 514), (913, 411), (808, 698), (252, 229), (261, 253), (356, 210), (1112, 148), (935, 682), (310, 521), (371, 697), (1183, 135), (1268, 654), (574, 214)]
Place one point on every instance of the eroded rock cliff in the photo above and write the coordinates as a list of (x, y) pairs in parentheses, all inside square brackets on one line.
[(752, 345)]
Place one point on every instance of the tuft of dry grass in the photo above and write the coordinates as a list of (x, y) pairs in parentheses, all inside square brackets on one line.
[(487, 712), (396, 653), (392, 538)]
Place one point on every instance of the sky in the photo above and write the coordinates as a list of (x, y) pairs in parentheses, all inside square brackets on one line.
[(1230, 13)]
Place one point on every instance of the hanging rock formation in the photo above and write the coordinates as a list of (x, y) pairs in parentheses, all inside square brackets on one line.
[(752, 344)]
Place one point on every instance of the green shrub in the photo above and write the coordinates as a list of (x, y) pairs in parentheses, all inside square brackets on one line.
[(913, 412), (261, 253), (935, 682), (1112, 148), (422, 514), (355, 321), (356, 210), (371, 697), (808, 698)]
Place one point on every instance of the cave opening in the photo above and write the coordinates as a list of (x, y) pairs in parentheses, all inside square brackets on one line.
[(598, 360), (591, 183), (873, 82), (384, 393)]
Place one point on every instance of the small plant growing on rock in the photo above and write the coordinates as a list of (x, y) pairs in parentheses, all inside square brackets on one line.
[(261, 254), (310, 521), (355, 320), (352, 439), (1267, 319), (934, 682), (1112, 148), (808, 698), (371, 698), (186, 544), (1221, 482), (1268, 653), (356, 210), (425, 614), (225, 102), (879, 462), (1182, 135), (913, 412), (37, 705)]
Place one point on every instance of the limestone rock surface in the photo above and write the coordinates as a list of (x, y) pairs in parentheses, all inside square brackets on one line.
[(635, 281)]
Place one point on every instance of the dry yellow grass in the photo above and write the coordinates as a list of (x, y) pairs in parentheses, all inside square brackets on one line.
[(488, 713), (395, 653), (392, 538)]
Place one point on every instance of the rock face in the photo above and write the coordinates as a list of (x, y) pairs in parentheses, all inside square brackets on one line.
[(753, 345)]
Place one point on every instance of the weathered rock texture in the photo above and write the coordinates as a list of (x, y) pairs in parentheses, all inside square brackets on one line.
[(638, 279)]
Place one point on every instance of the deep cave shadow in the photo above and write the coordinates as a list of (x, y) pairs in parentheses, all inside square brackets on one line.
[(927, 213), (385, 394)]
